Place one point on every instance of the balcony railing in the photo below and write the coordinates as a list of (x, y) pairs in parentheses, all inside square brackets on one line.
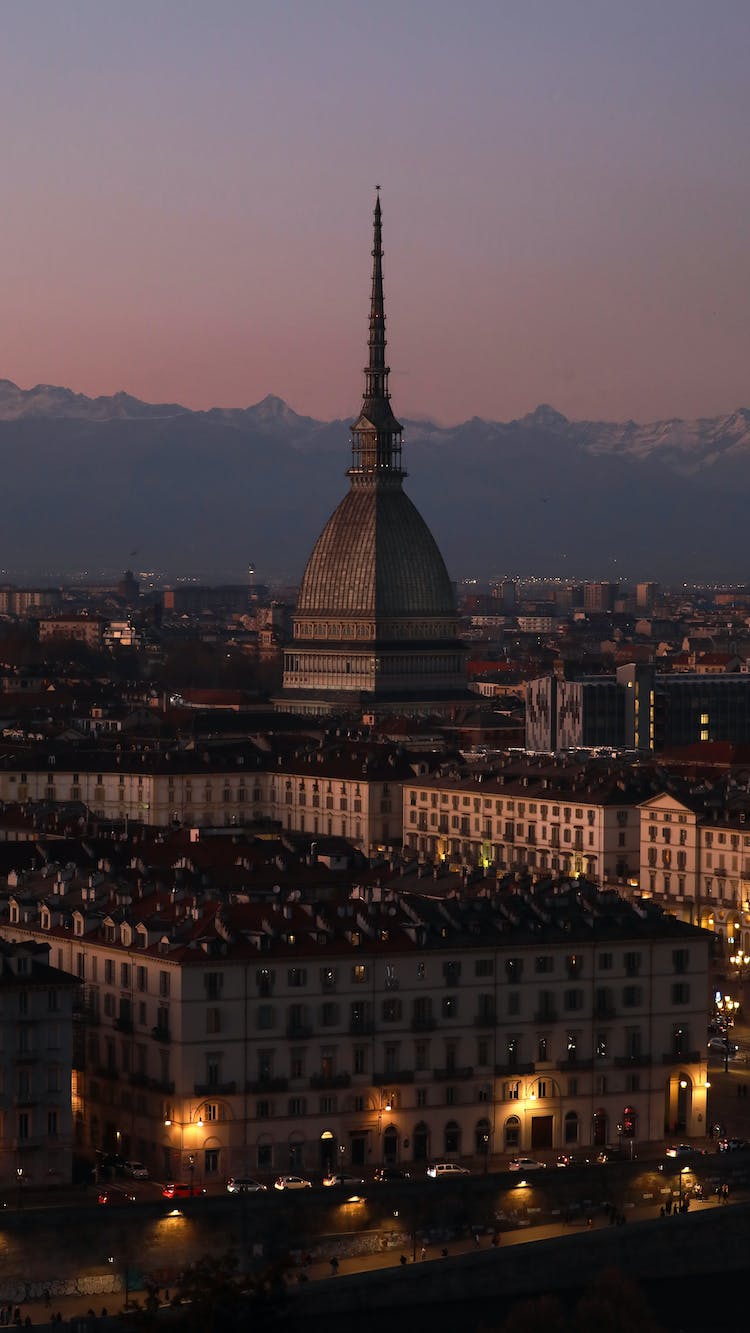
[(138, 1080), (485, 1020), (361, 1027), (123, 1025), (161, 1034), (451, 1075), (546, 1016), (514, 1069), (684, 1058), (631, 1061), (261, 1085), (604, 1011), (302, 1031), (322, 1081), (576, 1062), (394, 1076), (423, 1023), (214, 1089)]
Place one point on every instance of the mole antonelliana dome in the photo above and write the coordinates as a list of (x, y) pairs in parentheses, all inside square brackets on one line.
[(375, 624)]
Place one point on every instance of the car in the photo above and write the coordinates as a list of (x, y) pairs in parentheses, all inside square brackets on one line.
[(114, 1196), (525, 1164), (572, 1159), (244, 1185), (292, 1183), (610, 1154), (733, 1145), (136, 1170), (385, 1174), (179, 1190), (723, 1046), (445, 1170), (684, 1151), (343, 1180)]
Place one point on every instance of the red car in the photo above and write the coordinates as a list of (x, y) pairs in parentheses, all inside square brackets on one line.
[(180, 1191)]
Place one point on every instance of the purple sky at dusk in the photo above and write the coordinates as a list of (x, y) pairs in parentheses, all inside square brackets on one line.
[(188, 191)]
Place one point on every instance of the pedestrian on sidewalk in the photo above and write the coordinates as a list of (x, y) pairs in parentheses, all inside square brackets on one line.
[(423, 1253), (334, 1266)]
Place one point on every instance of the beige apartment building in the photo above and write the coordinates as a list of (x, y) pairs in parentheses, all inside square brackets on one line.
[(589, 827), (695, 861), (383, 1028)]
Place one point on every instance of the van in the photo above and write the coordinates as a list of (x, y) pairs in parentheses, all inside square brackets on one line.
[(442, 1170)]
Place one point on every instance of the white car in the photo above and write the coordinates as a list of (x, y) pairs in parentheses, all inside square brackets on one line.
[(446, 1170), (135, 1169), (292, 1183), (525, 1164)]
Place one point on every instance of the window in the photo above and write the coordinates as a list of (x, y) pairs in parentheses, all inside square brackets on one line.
[(360, 1059), (681, 992), (213, 983), (605, 962), (264, 980), (631, 997), (601, 1045), (125, 975), (328, 978), (632, 964), (263, 1110), (329, 1014), (142, 978), (359, 973), (109, 972), (213, 1020), (164, 984), (543, 963), (573, 999), (573, 964), (297, 976), (680, 960), (265, 1016), (391, 1011), (421, 1096), (514, 969), (450, 1006), (514, 1002), (572, 1087), (484, 967)]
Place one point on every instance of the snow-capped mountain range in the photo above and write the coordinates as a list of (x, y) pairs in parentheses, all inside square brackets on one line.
[(87, 479)]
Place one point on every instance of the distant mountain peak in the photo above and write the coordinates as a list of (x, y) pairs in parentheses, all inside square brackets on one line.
[(544, 415)]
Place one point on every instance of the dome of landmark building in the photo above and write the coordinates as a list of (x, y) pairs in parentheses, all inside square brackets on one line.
[(376, 557)]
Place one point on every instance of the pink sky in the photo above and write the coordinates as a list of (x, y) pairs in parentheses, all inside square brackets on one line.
[(188, 191)]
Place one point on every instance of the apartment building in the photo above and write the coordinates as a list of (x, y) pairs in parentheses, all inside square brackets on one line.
[(36, 1055), (695, 860), (545, 819), (343, 789), (382, 1027)]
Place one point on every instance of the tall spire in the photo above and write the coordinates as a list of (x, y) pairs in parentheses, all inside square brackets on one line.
[(376, 435)]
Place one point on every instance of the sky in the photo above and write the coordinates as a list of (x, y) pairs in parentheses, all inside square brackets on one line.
[(188, 192)]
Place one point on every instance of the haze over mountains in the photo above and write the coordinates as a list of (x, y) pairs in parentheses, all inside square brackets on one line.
[(87, 481)]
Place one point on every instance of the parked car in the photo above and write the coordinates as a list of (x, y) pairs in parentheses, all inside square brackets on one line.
[(723, 1046), (733, 1145), (136, 1170), (175, 1190), (244, 1185), (610, 1154), (342, 1180), (385, 1174), (684, 1151), (445, 1170), (114, 1196), (572, 1159), (292, 1183), (525, 1164)]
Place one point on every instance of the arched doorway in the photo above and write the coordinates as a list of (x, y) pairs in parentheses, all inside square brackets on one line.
[(483, 1139), (512, 1133), (571, 1127), (599, 1126), (679, 1102), (390, 1145), (328, 1152), (452, 1138), (421, 1142)]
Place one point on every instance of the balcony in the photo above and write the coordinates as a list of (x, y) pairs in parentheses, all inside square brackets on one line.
[(323, 1081), (86, 1013), (263, 1085), (361, 1027), (631, 1061), (515, 1069), (107, 1071), (576, 1062), (161, 1034), (546, 1016), (214, 1089), (301, 1031), (485, 1020), (686, 1058), (604, 1011), (138, 1080), (424, 1023), (452, 1075), (123, 1025), (394, 1076)]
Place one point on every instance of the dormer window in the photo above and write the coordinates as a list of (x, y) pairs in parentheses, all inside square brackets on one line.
[(126, 935), (14, 914), (142, 935), (45, 916), (77, 924), (109, 933)]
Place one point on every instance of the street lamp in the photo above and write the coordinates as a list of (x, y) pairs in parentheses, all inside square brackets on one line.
[(342, 1154), (19, 1177)]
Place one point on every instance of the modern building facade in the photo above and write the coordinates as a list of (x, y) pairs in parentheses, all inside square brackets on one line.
[(375, 628)]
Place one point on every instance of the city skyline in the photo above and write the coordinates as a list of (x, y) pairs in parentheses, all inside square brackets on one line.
[(564, 188)]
